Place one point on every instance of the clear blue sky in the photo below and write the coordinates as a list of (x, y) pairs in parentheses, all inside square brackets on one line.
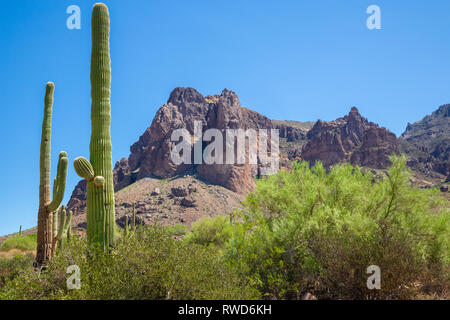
[(299, 60)]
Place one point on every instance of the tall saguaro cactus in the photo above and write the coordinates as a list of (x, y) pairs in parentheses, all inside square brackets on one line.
[(98, 171), (47, 205)]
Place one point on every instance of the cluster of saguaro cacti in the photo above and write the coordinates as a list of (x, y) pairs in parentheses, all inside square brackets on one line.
[(61, 229), (47, 205), (98, 170)]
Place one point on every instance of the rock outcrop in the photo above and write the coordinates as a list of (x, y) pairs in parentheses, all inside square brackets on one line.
[(291, 133), (351, 138), (427, 142), (376, 147), (151, 154)]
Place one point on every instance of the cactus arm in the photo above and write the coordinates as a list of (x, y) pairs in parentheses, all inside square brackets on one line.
[(62, 221), (55, 223), (60, 183), (64, 228), (85, 170), (67, 223)]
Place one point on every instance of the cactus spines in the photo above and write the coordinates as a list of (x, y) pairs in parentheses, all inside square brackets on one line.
[(100, 190), (46, 204)]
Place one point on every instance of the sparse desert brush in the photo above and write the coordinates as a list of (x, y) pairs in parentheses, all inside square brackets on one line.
[(147, 264), (11, 267), (24, 243)]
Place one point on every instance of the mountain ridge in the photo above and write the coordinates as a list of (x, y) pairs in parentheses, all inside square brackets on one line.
[(351, 138)]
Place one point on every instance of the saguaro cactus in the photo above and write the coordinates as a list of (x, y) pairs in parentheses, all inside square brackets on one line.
[(133, 219), (125, 226), (60, 232), (46, 207), (98, 171)]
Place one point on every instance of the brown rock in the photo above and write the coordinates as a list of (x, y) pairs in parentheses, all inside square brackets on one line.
[(179, 191), (156, 192), (188, 202)]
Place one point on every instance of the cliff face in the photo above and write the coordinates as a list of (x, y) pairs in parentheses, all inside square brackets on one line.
[(351, 138), (151, 154), (427, 142)]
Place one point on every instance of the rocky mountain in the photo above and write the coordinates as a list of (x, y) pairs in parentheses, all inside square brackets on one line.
[(427, 142), (351, 138), (151, 154)]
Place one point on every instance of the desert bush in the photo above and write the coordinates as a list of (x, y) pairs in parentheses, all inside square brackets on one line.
[(210, 231), (177, 230), (12, 267), (148, 264), (24, 243), (309, 230)]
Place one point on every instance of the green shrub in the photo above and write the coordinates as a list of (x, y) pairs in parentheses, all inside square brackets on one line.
[(10, 268), (24, 243), (177, 230), (150, 264), (210, 231), (307, 230)]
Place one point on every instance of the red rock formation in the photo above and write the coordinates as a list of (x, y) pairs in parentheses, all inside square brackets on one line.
[(377, 145), (151, 154), (351, 138)]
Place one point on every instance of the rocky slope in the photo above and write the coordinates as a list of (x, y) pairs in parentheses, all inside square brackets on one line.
[(427, 143), (179, 200)]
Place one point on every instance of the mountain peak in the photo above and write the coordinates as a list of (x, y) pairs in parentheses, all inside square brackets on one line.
[(181, 96), (354, 110)]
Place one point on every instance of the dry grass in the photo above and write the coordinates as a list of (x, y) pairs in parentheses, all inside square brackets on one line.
[(9, 254)]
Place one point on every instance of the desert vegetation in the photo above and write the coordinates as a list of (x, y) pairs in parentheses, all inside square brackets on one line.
[(301, 231), (311, 229)]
